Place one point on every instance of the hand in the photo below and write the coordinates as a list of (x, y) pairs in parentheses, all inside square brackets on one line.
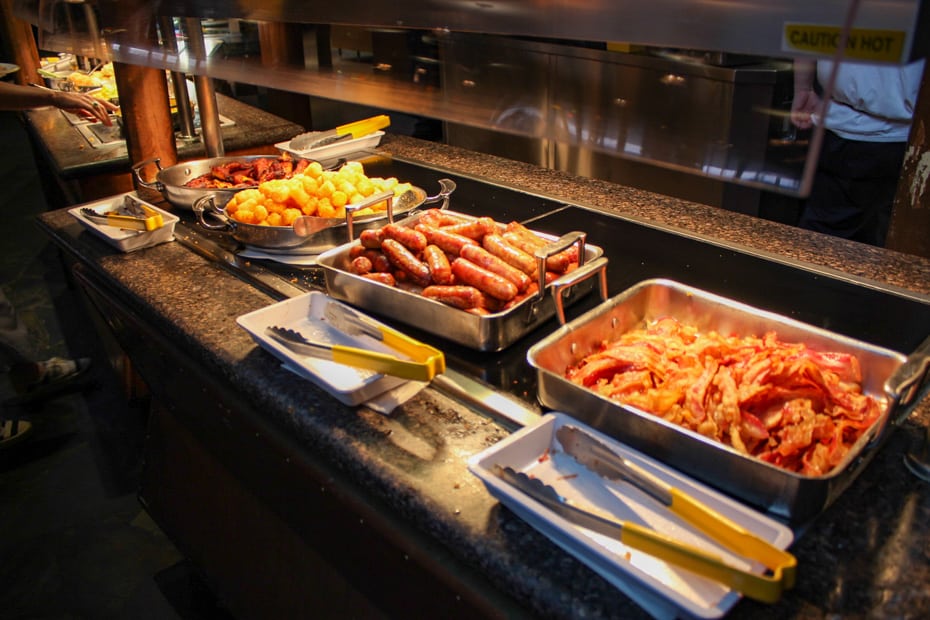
[(806, 103), (88, 106)]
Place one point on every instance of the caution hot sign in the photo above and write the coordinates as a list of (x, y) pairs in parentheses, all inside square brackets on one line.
[(862, 44)]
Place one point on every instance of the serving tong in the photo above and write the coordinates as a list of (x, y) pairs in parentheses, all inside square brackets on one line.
[(133, 214), (600, 459), (316, 139), (422, 362)]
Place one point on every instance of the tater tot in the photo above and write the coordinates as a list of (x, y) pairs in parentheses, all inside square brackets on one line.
[(315, 169), (274, 219), (289, 216), (325, 208), (309, 183), (354, 166), (326, 189), (249, 204), (346, 188), (339, 199), (365, 187)]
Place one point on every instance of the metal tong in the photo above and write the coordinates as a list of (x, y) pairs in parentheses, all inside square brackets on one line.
[(762, 587), (358, 129), (424, 362), (133, 214)]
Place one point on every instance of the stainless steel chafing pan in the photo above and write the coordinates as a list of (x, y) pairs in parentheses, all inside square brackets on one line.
[(492, 332), (890, 376), (312, 234), (171, 182)]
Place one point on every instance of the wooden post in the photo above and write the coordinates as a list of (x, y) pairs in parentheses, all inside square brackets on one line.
[(143, 101), (910, 220), (19, 45), (143, 91)]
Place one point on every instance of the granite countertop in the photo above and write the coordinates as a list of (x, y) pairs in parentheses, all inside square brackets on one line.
[(72, 156), (867, 555)]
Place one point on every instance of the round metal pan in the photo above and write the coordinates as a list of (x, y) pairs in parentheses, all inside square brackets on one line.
[(310, 234), (171, 181)]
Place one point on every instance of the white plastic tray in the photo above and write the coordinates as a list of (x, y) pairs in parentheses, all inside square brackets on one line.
[(120, 238), (662, 589), (304, 313), (337, 149)]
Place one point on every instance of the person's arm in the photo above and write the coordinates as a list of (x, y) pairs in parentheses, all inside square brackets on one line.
[(806, 101), (17, 97)]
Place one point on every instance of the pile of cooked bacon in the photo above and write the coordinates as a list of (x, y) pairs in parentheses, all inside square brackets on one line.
[(248, 173), (784, 403)]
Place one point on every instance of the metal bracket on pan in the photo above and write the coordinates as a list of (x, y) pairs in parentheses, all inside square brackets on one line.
[(446, 187), (569, 280)]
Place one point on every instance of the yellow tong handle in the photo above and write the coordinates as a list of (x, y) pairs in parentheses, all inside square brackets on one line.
[(153, 215), (130, 222), (733, 536), (425, 363), (364, 127), (764, 588)]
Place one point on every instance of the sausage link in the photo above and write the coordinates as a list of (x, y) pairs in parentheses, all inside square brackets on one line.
[(379, 262), (474, 229), (449, 242), (521, 242), (435, 218), (510, 254), (382, 277), (563, 261), (412, 239), (529, 242), (483, 258), (403, 259), (439, 269), (361, 265), (519, 230), (371, 238), (458, 296), (485, 281)]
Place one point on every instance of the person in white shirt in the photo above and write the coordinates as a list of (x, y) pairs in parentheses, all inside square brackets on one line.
[(867, 121)]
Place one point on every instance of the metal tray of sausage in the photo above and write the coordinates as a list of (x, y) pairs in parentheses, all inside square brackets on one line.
[(896, 380), (488, 332)]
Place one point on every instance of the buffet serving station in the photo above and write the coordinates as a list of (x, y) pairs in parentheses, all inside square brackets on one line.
[(280, 493)]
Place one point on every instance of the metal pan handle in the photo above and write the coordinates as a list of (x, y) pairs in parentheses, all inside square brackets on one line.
[(559, 245), (137, 172), (597, 266), (446, 187), (904, 385), (371, 200), (207, 204)]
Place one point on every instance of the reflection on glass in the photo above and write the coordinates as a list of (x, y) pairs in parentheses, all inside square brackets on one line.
[(578, 106)]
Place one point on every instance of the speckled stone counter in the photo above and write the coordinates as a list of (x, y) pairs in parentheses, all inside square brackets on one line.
[(70, 155), (868, 555)]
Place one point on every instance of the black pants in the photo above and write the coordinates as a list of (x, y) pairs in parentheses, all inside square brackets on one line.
[(854, 189)]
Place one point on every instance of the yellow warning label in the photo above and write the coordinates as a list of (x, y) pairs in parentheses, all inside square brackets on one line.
[(862, 44)]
